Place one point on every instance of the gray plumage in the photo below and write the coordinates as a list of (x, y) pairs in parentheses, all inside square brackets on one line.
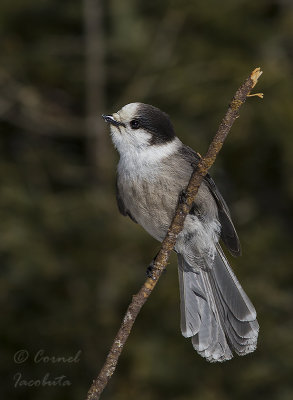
[(153, 169)]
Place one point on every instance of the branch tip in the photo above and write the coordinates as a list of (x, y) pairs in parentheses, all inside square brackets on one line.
[(256, 73)]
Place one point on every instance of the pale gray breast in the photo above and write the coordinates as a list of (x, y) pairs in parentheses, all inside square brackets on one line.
[(151, 198), (151, 203)]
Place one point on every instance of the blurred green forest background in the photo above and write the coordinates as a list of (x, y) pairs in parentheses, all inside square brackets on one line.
[(69, 261)]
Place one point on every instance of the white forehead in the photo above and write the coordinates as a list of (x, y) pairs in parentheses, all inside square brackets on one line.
[(129, 111)]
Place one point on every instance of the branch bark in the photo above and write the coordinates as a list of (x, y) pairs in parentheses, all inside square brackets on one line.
[(160, 262)]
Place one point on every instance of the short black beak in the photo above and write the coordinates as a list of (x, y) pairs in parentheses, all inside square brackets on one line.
[(112, 121)]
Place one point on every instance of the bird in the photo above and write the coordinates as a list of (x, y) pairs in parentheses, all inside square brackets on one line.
[(153, 170)]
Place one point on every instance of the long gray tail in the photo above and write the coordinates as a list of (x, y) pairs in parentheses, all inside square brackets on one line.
[(215, 311)]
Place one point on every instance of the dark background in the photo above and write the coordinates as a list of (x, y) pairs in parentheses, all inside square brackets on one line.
[(69, 261)]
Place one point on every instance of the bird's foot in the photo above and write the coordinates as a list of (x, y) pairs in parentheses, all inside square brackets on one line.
[(182, 196), (150, 270)]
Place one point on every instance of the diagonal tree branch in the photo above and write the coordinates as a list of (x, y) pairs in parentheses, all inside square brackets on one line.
[(160, 261)]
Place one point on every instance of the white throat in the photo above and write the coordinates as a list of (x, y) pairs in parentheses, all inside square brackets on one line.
[(146, 160)]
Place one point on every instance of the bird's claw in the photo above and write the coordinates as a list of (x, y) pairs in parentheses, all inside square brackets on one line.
[(150, 271), (182, 196)]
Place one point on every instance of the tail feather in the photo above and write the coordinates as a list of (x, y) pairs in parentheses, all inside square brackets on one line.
[(215, 310), (242, 336), (190, 305), (232, 293), (218, 349), (192, 302)]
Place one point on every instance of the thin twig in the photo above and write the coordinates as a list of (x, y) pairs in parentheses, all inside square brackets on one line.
[(160, 262)]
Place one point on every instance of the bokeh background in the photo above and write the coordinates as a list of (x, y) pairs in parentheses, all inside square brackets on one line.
[(69, 261)]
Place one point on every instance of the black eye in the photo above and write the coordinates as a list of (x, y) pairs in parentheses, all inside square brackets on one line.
[(134, 124)]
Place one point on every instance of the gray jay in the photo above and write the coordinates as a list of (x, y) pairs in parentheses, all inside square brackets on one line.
[(154, 168)]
